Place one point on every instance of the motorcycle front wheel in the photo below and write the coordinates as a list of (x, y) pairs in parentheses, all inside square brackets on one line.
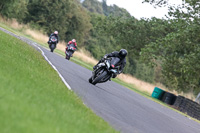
[(52, 47), (98, 78), (68, 54), (90, 80), (67, 57)]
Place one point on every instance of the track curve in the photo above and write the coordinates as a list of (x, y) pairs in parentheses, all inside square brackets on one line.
[(124, 109)]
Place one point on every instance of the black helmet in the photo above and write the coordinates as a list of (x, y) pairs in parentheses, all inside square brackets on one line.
[(123, 53)]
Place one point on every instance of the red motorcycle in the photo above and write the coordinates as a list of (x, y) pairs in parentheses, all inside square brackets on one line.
[(69, 51)]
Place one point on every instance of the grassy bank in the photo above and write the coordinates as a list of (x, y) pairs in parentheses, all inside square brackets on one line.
[(34, 99)]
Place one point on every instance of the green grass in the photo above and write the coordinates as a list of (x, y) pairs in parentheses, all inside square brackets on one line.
[(90, 66), (34, 99)]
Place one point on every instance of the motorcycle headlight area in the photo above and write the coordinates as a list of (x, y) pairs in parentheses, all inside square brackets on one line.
[(114, 70), (101, 64)]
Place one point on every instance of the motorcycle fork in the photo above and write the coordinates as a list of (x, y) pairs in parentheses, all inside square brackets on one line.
[(96, 72)]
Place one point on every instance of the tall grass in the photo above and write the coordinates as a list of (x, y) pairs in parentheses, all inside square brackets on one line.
[(85, 56)]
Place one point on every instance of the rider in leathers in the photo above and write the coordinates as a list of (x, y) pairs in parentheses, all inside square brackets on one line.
[(121, 54), (53, 34)]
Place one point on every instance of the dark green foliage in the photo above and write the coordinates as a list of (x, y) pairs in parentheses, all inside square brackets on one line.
[(14, 9), (105, 7), (66, 16), (95, 6), (178, 52), (99, 43), (117, 11)]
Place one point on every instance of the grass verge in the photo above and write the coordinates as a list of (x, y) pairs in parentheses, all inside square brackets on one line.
[(34, 99)]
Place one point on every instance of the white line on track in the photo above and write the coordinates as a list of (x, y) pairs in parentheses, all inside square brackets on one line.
[(64, 81), (35, 44), (68, 86)]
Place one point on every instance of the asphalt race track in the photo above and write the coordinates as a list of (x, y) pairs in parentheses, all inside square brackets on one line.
[(124, 109)]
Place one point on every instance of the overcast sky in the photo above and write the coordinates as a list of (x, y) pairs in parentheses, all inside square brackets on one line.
[(139, 10)]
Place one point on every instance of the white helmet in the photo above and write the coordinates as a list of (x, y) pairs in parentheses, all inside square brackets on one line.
[(73, 40), (56, 32)]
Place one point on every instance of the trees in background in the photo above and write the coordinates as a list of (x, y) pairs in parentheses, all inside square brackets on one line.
[(93, 6), (179, 51), (102, 8), (14, 9), (159, 50), (66, 16)]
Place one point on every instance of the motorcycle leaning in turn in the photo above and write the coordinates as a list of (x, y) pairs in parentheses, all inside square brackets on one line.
[(105, 70), (69, 51)]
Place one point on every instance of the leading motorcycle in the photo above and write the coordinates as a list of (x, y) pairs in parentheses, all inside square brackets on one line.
[(105, 70), (52, 43)]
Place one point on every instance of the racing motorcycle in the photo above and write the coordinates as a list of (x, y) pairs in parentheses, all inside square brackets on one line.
[(69, 51), (105, 70), (52, 43)]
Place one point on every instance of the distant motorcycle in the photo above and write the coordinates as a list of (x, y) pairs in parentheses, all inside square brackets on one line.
[(69, 51), (105, 71), (52, 43)]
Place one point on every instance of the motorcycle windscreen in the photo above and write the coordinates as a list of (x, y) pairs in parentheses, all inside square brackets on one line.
[(114, 61), (53, 38), (71, 47)]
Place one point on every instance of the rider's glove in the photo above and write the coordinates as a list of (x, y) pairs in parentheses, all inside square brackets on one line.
[(103, 59)]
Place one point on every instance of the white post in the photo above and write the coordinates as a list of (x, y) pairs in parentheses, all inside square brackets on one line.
[(198, 98)]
